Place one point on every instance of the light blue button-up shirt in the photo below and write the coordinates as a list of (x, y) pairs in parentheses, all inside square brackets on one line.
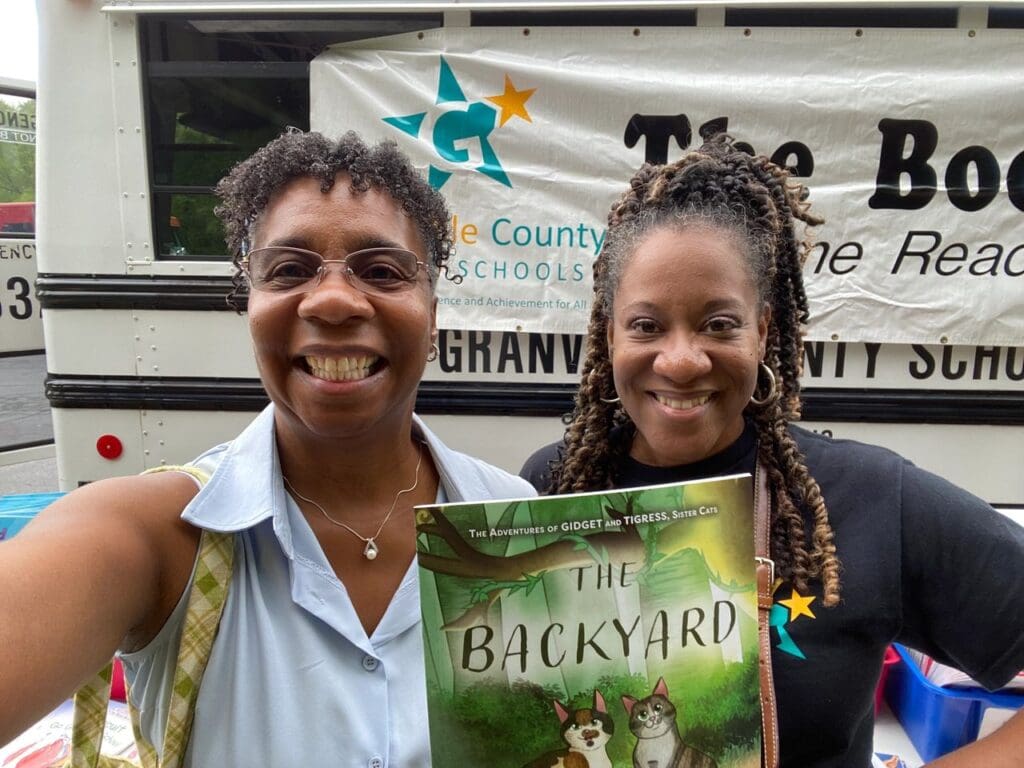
[(293, 679)]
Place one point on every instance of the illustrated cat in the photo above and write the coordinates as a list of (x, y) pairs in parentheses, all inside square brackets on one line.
[(586, 733), (658, 743)]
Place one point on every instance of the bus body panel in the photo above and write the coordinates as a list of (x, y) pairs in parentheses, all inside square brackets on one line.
[(143, 439), (80, 225), (90, 343), (983, 459), (181, 343)]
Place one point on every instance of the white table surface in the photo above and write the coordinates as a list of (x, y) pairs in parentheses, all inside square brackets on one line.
[(891, 739)]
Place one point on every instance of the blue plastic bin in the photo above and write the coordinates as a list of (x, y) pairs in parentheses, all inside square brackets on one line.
[(17, 510), (938, 720)]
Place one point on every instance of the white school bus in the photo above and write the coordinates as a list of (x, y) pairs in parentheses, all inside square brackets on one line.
[(918, 337)]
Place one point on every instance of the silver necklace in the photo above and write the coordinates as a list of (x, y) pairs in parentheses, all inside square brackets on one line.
[(371, 550)]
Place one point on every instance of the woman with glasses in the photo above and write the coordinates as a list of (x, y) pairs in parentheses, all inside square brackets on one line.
[(318, 659)]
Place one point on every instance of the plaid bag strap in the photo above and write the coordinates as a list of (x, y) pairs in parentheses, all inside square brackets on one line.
[(205, 606), (213, 567), (148, 757), (90, 719)]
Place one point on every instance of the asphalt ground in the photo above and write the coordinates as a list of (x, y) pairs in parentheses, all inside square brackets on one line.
[(24, 422)]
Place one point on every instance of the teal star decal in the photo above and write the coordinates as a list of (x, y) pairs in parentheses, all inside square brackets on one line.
[(448, 88), (453, 127), (409, 124), (778, 619)]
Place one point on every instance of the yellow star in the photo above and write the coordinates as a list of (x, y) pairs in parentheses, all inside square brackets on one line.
[(512, 102), (798, 605)]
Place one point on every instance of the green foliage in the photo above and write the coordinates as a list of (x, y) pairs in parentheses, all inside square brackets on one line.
[(600, 556), (651, 555), (200, 232), (491, 720), (717, 712), (498, 725), (613, 688), (720, 713), (481, 588), (18, 161), (198, 159)]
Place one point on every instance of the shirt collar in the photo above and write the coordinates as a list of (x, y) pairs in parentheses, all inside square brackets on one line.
[(460, 476), (245, 487)]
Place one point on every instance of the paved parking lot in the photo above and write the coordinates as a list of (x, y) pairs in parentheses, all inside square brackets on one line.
[(24, 412), (25, 421)]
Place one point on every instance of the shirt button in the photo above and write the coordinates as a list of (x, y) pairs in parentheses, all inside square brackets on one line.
[(370, 664), (375, 762)]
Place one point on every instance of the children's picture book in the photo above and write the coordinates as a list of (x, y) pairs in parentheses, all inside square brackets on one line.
[(593, 630)]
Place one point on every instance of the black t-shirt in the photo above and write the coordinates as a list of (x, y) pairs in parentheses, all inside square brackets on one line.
[(923, 563)]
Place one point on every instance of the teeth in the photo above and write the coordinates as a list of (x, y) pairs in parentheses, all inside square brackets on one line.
[(341, 368), (681, 405)]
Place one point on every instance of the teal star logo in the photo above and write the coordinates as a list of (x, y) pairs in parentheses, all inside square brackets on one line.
[(779, 617), (459, 123), (788, 610)]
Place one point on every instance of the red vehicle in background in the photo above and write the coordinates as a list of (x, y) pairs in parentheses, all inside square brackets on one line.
[(17, 218)]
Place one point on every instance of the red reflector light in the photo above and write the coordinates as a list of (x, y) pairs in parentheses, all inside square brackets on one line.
[(109, 447)]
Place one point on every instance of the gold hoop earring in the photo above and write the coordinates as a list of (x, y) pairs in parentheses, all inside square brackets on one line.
[(773, 387), (611, 401), (434, 352)]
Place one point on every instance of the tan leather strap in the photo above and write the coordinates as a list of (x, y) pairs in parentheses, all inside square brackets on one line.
[(765, 582)]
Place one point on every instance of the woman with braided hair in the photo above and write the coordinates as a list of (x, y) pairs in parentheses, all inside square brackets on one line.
[(694, 356)]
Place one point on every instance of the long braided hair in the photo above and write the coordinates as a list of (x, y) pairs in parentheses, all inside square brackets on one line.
[(757, 205)]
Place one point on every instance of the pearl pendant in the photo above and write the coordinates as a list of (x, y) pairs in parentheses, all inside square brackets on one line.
[(370, 551)]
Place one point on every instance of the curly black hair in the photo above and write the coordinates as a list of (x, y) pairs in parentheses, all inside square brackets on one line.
[(759, 207), (249, 186)]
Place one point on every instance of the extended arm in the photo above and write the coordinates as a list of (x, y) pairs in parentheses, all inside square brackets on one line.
[(101, 568), (1002, 749)]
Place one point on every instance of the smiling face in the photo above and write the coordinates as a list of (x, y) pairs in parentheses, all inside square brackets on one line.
[(686, 334), (337, 361)]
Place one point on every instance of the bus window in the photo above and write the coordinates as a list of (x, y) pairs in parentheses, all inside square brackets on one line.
[(216, 90), (17, 163)]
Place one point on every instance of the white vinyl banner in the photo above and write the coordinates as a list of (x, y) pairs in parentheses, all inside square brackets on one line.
[(911, 142)]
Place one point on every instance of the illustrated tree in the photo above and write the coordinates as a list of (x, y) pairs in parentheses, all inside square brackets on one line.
[(511, 572)]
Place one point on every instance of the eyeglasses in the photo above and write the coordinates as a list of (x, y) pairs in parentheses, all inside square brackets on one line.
[(282, 269)]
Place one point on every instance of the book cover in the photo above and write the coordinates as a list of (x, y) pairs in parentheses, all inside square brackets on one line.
[(603, 629)]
